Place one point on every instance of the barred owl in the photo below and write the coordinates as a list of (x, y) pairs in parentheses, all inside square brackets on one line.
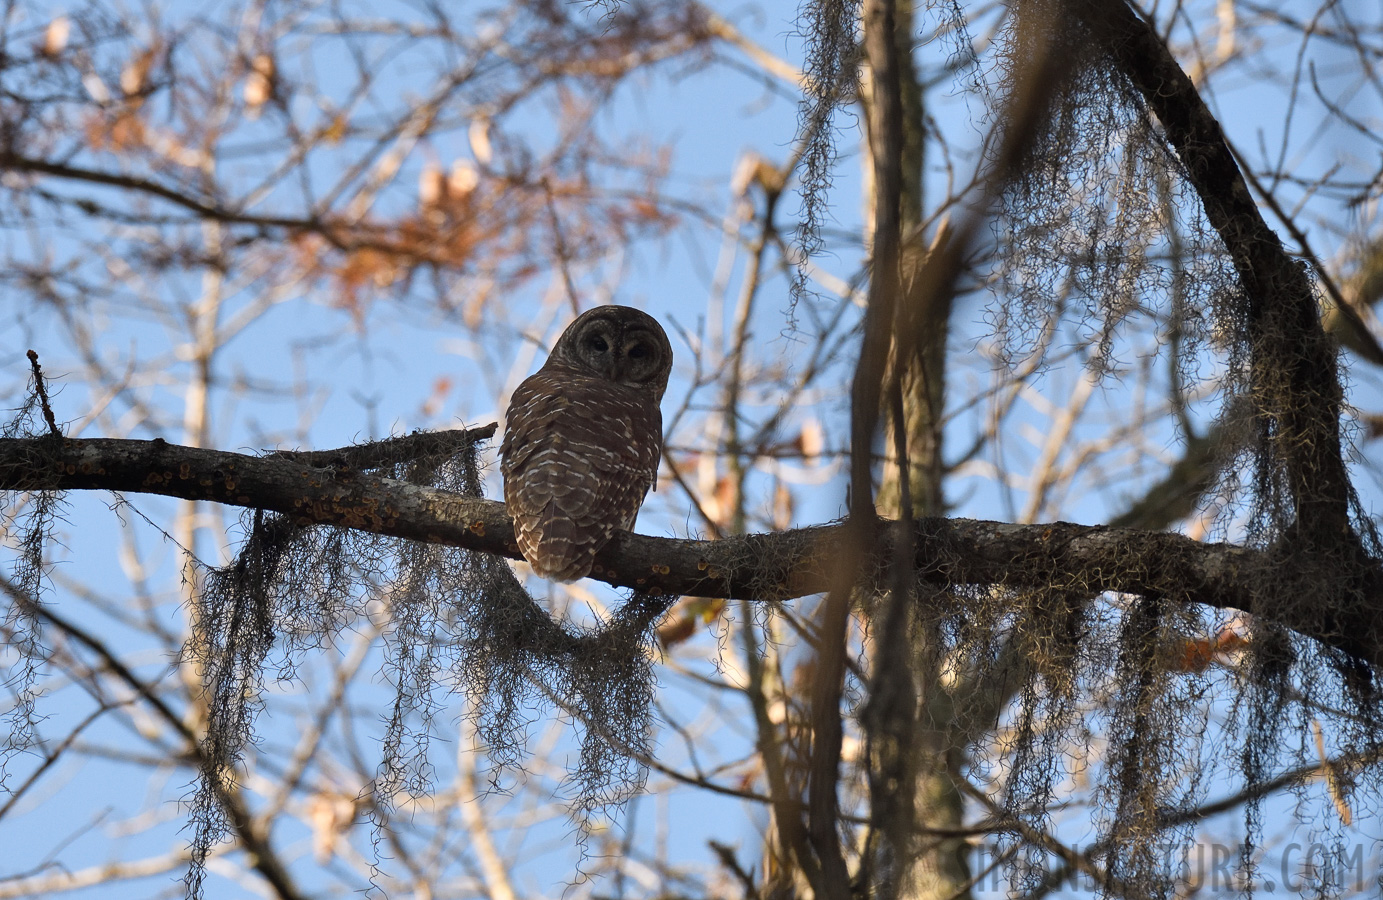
[(582, 439)]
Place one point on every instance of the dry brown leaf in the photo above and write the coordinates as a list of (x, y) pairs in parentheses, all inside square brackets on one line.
[(55, 36)]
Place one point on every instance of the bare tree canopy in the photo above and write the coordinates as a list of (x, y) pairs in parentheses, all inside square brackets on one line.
[(1037, 270)]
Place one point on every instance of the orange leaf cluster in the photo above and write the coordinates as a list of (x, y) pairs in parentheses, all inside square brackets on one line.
[(465, 222), (1197, 655)]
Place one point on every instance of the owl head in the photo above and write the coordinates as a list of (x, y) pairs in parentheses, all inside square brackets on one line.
[(619, 344)]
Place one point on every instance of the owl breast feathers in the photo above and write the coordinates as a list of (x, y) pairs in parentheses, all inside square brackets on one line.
[(583, 438)]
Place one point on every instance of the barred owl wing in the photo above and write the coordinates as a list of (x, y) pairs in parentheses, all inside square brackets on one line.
[(578, 457)]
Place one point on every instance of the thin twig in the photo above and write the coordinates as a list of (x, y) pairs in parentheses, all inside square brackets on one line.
[(42, 390)]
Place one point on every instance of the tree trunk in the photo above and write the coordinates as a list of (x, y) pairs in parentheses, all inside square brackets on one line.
[(914, 744)]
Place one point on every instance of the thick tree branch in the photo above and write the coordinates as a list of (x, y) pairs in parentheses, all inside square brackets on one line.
[(1286, 321), (772, 566)]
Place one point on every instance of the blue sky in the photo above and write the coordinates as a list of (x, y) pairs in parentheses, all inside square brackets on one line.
[(382, 372)]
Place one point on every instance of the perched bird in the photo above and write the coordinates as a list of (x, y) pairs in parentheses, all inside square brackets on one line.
[(582, 439)]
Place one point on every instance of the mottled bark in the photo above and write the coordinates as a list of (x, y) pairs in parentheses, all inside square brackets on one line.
[(769, 566)]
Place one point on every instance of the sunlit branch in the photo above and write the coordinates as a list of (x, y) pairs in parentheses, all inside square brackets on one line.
[(765, 566)]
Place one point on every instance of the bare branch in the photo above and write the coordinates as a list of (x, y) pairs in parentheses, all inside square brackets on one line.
[(770, 566)]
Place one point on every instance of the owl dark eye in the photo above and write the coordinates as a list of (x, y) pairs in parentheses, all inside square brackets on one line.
[(598, 344), (638, 351)]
